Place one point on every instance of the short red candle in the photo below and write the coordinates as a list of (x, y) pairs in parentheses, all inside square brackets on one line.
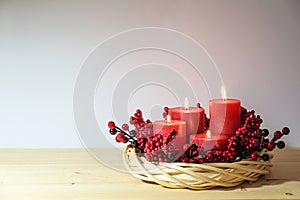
[(225, 116), (164, 127), (193, 116), (207, 143)]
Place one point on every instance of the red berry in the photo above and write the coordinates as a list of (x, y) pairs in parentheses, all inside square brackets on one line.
[(285, 130), (277, 134), (125, 139), (201, 160), (131, 120), (119, 137), (125, 127), (271, 146), (254, 156), (209, 155), (255, 143), (111, 125), (218, 146)]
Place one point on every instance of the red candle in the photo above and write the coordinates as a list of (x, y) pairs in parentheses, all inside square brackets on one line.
[(208, 140), (164, 127), (193, 116), (225, 116)]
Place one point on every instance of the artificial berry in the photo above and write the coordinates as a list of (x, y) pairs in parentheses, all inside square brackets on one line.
[(125, 127), (254, 156), (265, 157), (125, 139), (255, 143), (111, 125), (265, 132), (194, 147), (119, 137), (131, 120), (132, 133), (281, 144), (218, 146), (112, 131), (285, 130), (277, 134), (271, 145)]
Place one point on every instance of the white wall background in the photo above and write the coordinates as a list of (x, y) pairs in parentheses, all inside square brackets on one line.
[(255, 44)]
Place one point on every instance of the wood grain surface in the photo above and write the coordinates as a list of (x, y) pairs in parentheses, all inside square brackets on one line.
[(76, 174)]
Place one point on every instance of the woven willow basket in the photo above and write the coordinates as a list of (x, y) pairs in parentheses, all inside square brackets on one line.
[(194, 176)]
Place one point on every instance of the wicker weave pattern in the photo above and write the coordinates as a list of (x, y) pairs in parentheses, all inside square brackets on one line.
[(194, 176)]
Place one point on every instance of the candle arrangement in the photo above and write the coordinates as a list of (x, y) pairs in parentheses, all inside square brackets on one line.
[(232, 135), (164, 141)]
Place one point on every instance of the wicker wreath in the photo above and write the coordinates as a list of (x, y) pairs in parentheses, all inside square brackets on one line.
[(195, 176)]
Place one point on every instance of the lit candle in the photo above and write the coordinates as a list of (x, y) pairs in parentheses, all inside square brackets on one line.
[(225, 115), (193, 116), (208, 140), (164, 127)]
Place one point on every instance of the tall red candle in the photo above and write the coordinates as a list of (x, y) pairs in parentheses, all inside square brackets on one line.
[(164, 127), (225, 116), (193, 116)]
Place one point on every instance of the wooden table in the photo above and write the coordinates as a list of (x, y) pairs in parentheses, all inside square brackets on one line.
[(75, 174)]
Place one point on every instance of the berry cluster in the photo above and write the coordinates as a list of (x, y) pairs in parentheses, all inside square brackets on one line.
[(248, 141), (159, 148), (156, 148), (143, 128), (122, 135)]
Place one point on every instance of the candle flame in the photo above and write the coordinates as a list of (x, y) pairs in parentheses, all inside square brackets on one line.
[(186, 103), (223, 92), (208, 134), (168, 119)]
